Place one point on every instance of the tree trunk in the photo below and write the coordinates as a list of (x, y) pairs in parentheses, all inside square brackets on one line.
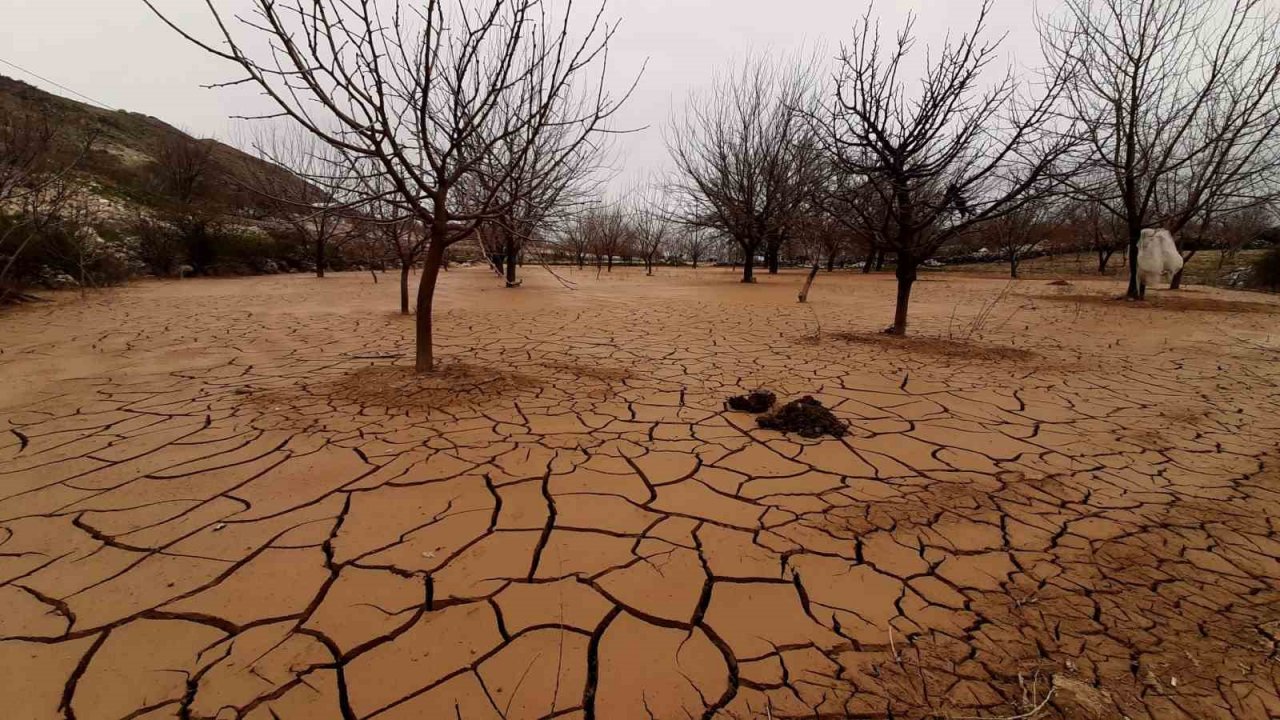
[(1104, 257), (869, 263), (1177, 277), (695, 262), (1013, 267), (582, 260), (648, 267), (404, 288), (749, 265), (808, 283), (426, 299), (610, 262), (906, 278), (831, 263), (880, 260), (771, 257), (1134, 293), (321, 255), (511, 259)]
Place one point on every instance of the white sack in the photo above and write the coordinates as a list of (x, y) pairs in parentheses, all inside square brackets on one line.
[(1157, 256)]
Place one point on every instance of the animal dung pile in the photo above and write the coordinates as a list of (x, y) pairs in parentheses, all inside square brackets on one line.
[(755, 402), (805, 417)]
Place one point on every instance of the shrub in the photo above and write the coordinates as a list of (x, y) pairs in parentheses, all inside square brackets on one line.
[(1265, 274), (158, 247), (63, 252)]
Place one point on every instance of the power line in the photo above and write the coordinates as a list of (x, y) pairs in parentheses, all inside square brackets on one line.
[(59, 85)]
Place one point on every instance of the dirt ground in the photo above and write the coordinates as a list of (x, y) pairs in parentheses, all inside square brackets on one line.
[(229, 498)]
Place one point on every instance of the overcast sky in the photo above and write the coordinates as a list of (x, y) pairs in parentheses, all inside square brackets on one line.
[(120, 55)]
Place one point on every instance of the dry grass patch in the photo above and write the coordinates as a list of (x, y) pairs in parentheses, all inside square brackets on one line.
[(1179, 302), (939, 347)]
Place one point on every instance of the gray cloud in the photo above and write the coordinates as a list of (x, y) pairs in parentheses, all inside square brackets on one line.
[(118, 53)]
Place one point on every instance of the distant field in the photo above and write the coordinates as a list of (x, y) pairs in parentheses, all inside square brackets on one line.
[(1206, 268)]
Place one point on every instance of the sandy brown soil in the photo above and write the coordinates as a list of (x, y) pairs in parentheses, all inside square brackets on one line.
[(228, 498)]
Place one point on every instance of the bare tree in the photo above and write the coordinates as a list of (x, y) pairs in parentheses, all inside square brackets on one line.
[(315, 199), (182, 165), (940, 159), (534, 182), (1020, 232), (609, 232), (405, 239), (1095, 229), (819, 237), (1177, 97), (81, 248), (363, 240), (35, 183), (26, 174), (1240, 228), (27, 146), (1255, 187), (48, 207), (576, 238), (651, 231), (850, 201), (822, 238), (695, 243), (745, 161), (1227, 231), (421, 93), (380, 218)]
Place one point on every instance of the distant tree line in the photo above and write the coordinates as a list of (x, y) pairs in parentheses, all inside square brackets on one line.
[(481, 130)]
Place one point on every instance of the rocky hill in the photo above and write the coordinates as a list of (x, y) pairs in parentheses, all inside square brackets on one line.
[(146, 198), (124, 165)]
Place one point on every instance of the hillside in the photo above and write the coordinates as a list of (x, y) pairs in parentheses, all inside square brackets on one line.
[(123, 163)]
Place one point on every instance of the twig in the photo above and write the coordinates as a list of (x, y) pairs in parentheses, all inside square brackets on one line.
[(1024, 716)]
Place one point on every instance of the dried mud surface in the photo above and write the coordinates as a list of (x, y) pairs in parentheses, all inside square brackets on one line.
[(229, 498)]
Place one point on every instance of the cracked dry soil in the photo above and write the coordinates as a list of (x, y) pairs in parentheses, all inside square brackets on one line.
[(227, 498)]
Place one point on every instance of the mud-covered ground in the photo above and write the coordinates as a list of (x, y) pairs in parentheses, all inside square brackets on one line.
[(230, 498)]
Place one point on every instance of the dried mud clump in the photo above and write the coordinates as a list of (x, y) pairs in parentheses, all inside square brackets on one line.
[(1060, 283), (756, 402), (805, 417)]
